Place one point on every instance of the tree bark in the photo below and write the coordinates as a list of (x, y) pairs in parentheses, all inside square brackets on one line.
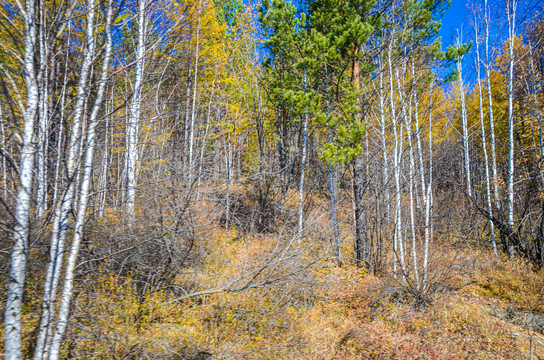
[(331, 183), (12, 315), (66, 297), (64, 205), (494, 172), (511, 11), (398, 246), (134, 115), (362, 249), (303, 161), (484, 140), (464, 119)]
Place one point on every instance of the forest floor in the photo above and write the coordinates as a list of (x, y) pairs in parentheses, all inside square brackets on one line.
[(480, 308)]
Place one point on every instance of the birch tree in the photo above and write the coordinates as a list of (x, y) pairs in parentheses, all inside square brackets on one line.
[(487, 20), (133, 124), (398, 247), (464, 118), (68, 192), (66, 296), (484, 139), (52, 326), (12, 315), (511, 6)]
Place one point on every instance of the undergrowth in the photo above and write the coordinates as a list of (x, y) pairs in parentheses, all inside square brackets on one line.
[(346, 314)]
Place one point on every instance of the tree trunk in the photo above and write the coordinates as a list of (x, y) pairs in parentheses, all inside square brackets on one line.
[(191, 129), (429, 199), (43, 123), (362, 249), (331, 183), (63, 207), (84, 198), (134, 115), (511, 11), (398, 246), (484, 141), (494, 172), (408, 126), (464, 119), (12, 315), (303, 162)]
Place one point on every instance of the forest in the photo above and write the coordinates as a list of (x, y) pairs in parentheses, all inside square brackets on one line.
[(228, 179)]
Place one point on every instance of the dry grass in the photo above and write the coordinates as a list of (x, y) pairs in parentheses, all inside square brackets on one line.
[(346, 314)]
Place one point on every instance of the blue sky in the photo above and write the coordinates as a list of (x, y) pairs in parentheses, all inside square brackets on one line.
[(453, 18)]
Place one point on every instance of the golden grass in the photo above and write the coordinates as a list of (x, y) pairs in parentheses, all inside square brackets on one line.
[(346, 317)]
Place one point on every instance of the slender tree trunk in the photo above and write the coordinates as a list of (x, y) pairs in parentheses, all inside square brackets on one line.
[(407, 125), (203, 145), (464, 119), (191, 130), (429, 198), (135, 108), (494, 172), (187, 120), (384, 140), (3, 146), (63, 207), (303, 161), (418, 129), (105, 161), (85, 185), (511, 11), (43, 123), (331, 183), (484, 141), (383, 225), (228, 163), (57, 180), (425, 188), (397, 160), (12, 315), (281, 148), (537, 111)]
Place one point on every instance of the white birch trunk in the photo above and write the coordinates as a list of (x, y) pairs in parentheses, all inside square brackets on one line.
[(57, 179), (418, 141), (105, 163), (41, 192), (192, 127), (82, 209), (484, 141), (428, 202), (398, 242), (3, 146), (494, 172), (134, 115), (511, 11), (12, 315), (459, 63), (407, 125), (425, 188), (384, 140), (228, 163), (63, 207)]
